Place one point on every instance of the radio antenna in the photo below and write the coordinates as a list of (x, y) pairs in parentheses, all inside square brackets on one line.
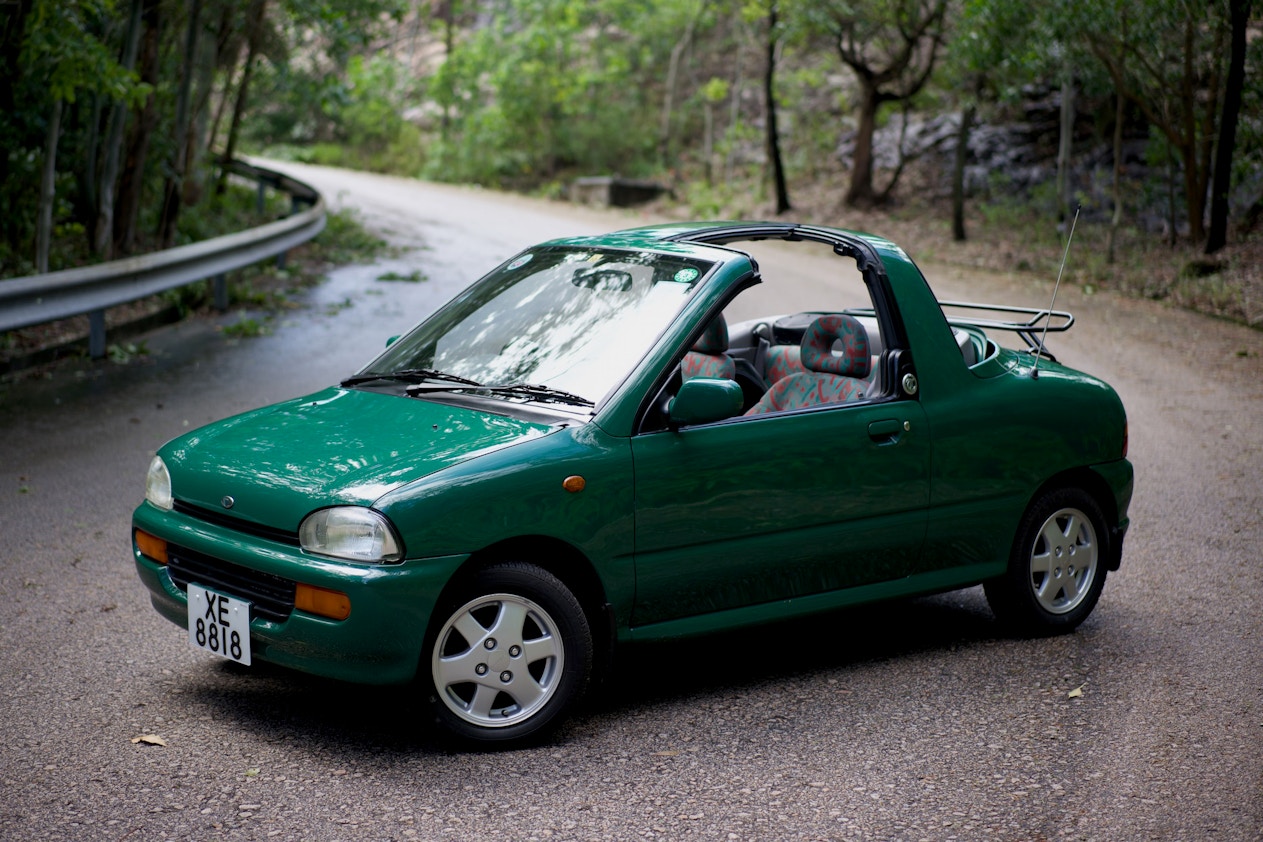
[(1048, 319)]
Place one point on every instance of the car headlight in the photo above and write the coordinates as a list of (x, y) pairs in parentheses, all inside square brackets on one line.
[(351, 532), (158, 484)]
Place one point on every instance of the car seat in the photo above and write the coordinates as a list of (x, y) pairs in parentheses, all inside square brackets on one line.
[(827, 378), (708, 357)]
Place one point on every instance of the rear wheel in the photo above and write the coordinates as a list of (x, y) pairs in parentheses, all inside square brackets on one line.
[(512, 656), (1057, 565)]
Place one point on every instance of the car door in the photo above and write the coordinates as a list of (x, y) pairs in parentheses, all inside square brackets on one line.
[(754, 510)]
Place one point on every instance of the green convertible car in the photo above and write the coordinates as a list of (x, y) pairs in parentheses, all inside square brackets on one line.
[(639, 436)]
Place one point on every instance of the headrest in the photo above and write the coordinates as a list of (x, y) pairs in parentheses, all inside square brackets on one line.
[(714, 340), (817, 346)]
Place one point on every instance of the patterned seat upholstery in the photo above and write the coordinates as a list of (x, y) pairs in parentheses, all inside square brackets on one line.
[(708, 358), (782, 361), (827, 378)]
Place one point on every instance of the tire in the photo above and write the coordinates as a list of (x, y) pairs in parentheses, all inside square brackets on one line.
[(509, 657), (1057, 566)]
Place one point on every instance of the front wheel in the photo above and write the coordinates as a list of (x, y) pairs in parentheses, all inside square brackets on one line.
[(513, 655), (1057, 565)]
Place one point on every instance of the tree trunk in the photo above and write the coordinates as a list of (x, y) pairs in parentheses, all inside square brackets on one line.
[(668, 103), (171, 188), (47, 191), (12, 35), (773, 135), (254, 35), (1217, 238), (86, 178), (103, 233), (1172, 223), (1194, 194), (448, 14), (213, 134), (958, 173), (133, 182), (1117, 188), (198, 143), (860, 192), (708, 141), (1065, 146), (734, 112)]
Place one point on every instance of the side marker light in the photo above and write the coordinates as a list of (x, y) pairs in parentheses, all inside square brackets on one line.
[(151, 546), (322, 602)]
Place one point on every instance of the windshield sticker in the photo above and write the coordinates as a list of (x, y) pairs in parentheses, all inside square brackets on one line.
[(521, 261), (686, 275)]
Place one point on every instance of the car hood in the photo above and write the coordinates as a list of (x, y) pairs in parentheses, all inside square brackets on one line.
[(336, 447)]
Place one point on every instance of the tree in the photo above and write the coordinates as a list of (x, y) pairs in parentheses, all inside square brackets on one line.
[(769, 94), (546, 87), (103, 231), (177, 164), (1239, 13), (989, 59), (666, 135), (145, 121), (891, 46), (60, 59), (1169, 62), (256, 22)]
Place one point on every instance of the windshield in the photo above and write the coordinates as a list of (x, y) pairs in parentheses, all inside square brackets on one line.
[(569, 319)]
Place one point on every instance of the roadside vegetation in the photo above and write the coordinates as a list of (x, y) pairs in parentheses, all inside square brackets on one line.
[(971, 130), (258, 293)]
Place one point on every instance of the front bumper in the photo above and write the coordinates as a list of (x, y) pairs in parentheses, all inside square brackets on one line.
[(379, 643)]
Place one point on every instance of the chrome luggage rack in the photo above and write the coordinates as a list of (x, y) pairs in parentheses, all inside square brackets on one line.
[(1041, 321)]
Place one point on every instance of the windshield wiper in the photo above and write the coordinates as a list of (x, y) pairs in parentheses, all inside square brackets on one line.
[(541, 393), (531, 391), (410, 375)]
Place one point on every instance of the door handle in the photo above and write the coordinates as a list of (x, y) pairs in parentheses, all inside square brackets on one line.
[(887, 430)]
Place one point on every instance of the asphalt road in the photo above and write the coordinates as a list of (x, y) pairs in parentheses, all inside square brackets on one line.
[(912, 721)]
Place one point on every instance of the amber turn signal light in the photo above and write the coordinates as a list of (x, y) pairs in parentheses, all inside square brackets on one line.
[(151, 546), (322, 602)]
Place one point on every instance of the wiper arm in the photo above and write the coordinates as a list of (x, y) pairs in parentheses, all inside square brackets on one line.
[(542, 393), (410, 375), (530, 391)]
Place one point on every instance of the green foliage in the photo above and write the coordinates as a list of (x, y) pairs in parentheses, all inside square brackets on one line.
[(63, 50), (126, 352), (552, 86), (235, 209), (1248, 161), (416, 276), (188, 298), (65, 54), (247, 328), (346, 240), (530, 93)]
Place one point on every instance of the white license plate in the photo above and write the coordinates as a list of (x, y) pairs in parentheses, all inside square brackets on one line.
[(219, 624)]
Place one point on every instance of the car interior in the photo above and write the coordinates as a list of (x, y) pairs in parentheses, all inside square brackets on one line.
[(797, 360)]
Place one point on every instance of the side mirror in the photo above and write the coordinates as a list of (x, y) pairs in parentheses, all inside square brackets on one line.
[(703, 400)]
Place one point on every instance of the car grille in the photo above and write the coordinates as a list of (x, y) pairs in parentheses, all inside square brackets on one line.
[(237, 524), (270, 597)]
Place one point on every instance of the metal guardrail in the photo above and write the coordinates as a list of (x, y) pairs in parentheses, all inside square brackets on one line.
[(37, 299)]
